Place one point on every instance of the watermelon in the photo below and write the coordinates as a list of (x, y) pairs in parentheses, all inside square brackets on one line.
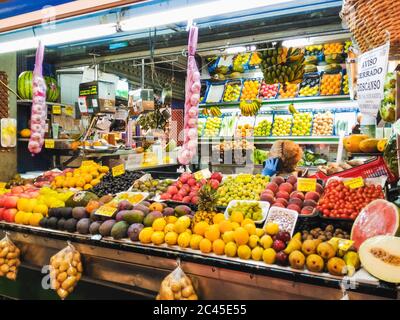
[(380, 217), (380, 256), (25, 80), (25, 83)]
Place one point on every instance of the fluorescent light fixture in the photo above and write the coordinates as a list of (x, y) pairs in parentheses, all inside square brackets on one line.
[(59, 37), (234, 50), (209, 9), (301, 42)]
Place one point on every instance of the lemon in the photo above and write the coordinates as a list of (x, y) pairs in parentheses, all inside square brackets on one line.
[(19, 217), (212, 233), (184, 240), (266, 241), (205, 245), (200, 228), (169, 227), (228, 236), (195, 241), (218, 247), (271, 228), (230, 249), (22, 204), (257, 253), (180, 227), (225, 226), (35, 219), (171, 219), (145, 235), (269, 256), (237, 216), (159, 224), (235, 225), (41, 208), (26, 217), (171, 238), (157, 237), (253, 241), (244, 252)]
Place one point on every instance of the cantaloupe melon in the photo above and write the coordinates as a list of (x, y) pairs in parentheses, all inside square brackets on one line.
[(380, 256), (352, 143)]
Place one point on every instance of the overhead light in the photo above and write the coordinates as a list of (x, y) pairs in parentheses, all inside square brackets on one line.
[(301, 42), (234, 50), (189, 13), (60, 37)]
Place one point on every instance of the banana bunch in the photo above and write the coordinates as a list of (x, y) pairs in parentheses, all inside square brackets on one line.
[(249, 107), (213, 111), (284, 73), (292, 109), (274, 56)]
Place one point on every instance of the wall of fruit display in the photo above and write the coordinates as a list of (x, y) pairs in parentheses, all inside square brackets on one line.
[(303, 122), (288, 73)]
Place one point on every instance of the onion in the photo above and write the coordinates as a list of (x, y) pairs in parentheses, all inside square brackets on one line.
[(192, 133), (193, 112), (194, 99), (196, 76), (196, 87), (192, 123)]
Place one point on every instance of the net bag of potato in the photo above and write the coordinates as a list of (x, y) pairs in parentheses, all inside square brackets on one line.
[(177, 286), (65, 270), (9, 258)]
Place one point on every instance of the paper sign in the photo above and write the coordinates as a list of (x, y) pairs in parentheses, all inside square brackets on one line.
[(118, 170), (306, 184), (106, 211), (69, 110), (49, 143), (56, 109), (82, 105), (372, 68), (3, 185), (354, 183), (202, 174)]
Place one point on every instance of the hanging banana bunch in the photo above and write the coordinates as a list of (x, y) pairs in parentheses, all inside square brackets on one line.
[(249, 107)]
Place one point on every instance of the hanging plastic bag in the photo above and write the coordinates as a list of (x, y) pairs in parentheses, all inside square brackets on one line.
[(177, 286), (9, 258), (65, 270)]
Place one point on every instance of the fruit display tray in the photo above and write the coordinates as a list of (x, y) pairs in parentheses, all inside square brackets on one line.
[(264, 208)]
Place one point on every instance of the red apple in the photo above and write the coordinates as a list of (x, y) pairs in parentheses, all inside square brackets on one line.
[(165, 196), (2, 199), (1, 213), (193, 193), (183, 192), (187, 199), (172, 190), (217, 176), (195, 199), (186, 187), (9, 215), (17, 190), (11, 202), (177, 197), (203, 182), (191, 182)]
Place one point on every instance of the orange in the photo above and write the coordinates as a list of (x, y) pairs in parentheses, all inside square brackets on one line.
[(159, 224), (241, 236), (250, 228), (145, 235), (35, 219), (195, 241), (218, 247), (225, 226), (171, 238), (237, 216), (247, 221), (184, 240), (244, 252), (87, 177), (87, 187), (230, 249), (212, 233), (200, 228), (218, 218), (228, 236), (80, 182), (157, 237), (205, 246)]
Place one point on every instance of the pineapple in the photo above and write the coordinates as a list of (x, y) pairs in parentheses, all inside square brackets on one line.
[(206, 205)]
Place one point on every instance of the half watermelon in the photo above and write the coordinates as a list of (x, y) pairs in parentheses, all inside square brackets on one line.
[(380, 217)]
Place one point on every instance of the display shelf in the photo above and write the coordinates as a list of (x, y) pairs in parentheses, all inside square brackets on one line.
[(283, 101), (270, 140), (29, 102), (63, 140)]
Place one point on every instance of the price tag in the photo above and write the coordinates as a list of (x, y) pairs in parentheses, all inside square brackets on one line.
[(96, 237), (69, 110), (306, 184), (3, 185), (106, 211), (118, 170), (56, 109), (49, 143), (354, 183), (202, 174)]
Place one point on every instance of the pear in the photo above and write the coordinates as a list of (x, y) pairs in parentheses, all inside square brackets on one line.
[(297, 236), (297, 259), (294, 244), (315, 263), (352, 261), (310, 246), (326, 250), (336, 266)]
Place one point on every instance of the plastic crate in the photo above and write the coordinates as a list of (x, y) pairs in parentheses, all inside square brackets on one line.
[(374, 168)]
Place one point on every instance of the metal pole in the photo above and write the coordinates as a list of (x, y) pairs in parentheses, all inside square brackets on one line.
[(142, 73), (398, 113)]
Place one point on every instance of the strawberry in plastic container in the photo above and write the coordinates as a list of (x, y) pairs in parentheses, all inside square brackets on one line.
[(192, 99), (39, 108)]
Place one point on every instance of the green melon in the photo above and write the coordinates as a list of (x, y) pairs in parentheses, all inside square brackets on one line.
[(25, 81), (380, 256), (53, 91)]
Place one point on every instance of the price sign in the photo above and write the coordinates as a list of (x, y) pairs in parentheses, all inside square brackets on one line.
[(69, 110), (202, 174), (49, 143), (306, 184), (106, 211), (354, 183), (3, 185), (56, 109), (118, 170)]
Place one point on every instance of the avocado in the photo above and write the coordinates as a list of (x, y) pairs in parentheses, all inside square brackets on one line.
[(66, 212), (61, 224), (70, 225), (119, 230), (52, 223), (83, 226), (43, 222), (54, 212)]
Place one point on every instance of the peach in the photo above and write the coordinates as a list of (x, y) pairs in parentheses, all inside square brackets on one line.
[(278, 180), (278, 204), (296, 201), (286, 187), (272, 186), (310, 203), (10, 202), (282, 200), (294, 207), (283, 194), (9, 215), (297, 194), (312, 195), (269, 191), (307, 210), (291, 179), (266, 196)]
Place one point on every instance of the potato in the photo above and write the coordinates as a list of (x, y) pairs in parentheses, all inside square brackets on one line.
[(56, 263), (62, 276), (70, 281), (175, 286), (12, 255), (72, 271), (18, 263), (193, 297), (13, 268), (4, 252), (158, 297), (77, 257), (55, 285), (177, 295), (71, 289), (79, 267), (12, 262), (11, 275), (187, 292), (62, 293), (3, 244), (64, 266), (78, 276), (4, 268), (11, 248), (2, 260)]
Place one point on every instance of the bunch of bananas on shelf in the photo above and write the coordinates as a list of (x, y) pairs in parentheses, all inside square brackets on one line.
[(282, 65), (249, 107), (212, 111)]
